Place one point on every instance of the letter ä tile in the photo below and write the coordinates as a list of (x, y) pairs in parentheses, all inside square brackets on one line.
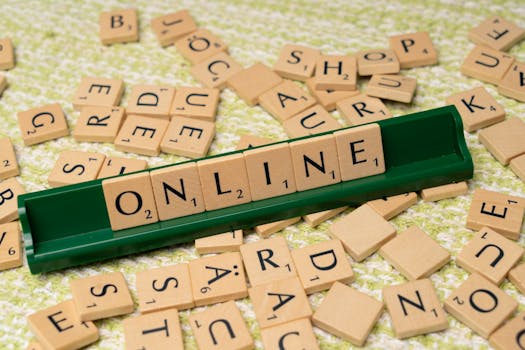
[(157, 330)]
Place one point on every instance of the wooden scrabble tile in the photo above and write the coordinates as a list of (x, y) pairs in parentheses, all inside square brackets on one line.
[(379, 61), (3, 84), (389, 207), (171, 27), (315, 219), (364, 139), (285, 100), (510, 335), (504, 140), (392, 87), (42, 124), (129, 201), (438, 193), (296, 62), (188, 137), (315, 162), (297, 334), (414, 49), (415, 254), (414, 308), (10, 189), (218, 278), (118, 166), (221, 243), (362, 109), (267, 260), (320, 265), (224, 181), (279, 302), (347, 313), (486, 64), (314, 120), (200, 45), (98, 92), (518, 166), (214, 71), (489, 254), (119, 26), (164, 288), (158, 330), (252, 82), (141, 135), (101, 296), (177, 190), (8, 162), (478, 109), (513, 82), (7, 54), (498, 211), (151, 100), (266, 230), (10, 246), (34, 346), (195, 102), (480, 305), (208, 328), (74, 167), (362, 232), (270, 171), (336, 72), (58, 327), (517, 277), (99, 124), (250, 141), (328, 97), (497, 33)]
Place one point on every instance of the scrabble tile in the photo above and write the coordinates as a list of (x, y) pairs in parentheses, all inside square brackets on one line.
[(389, 207), (480, 305), (195, 102), (315, 162), (279, 302), (208, 328), (517, 277), (10, 189), (177, 191), (119, 26), (218, 278), (118, 166), (414, 49), (8, 162), (158, 330), (151, 100), (504, 140), (266, 230), (74, 167), (510, 335), (365, 139), (221, 243), (42, 124), (392, 87), (285, 100), (478, 109), (200, 45), (95, 91), (297, 334), (250, 141), (267, 260), (99, 124), (171, 27), (129, 201), (362, 109), (348, 314), (188, 137), (34, 346), (328, 97), (7, 54), (497, 33), (10, 246), (486, 64), (315, 219), (101, 296), (270, 171), (141, 135), (381, 61), (438, 193), (164, 288), (58, 327), (489, 254), (414, 308), (296, 62), (415, 254), (362, 232), (214, 71), (3, 84), (320, 265), (314, 120), (252, 82), (518, 166), (336, 72), (513, 82), (224, 181), (498, 211)]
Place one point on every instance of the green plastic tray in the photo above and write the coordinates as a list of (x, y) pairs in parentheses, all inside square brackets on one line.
[(69, 226)]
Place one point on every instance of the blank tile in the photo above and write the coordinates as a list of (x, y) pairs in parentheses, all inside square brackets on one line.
[(151, 100), (505, 140), (10, 246), (195, 102), (285, 100), (414, 49), (99, 124), (297, 334), (74, 167), (118, 166), (389, 207), (173, 26), (392, 87), (96, 91), (119, 26), (42, 124), (497, 32), (188, 137), (265, 230), (512, 84), (316, 219), (141, 135), (250, 141), (158, 330), (220, 243), (214, 71), (362, 109), (328, 97), (313, 120), (510, 335), (336, 72), (296, 62), (199, 45), (10, 189), (486, 64), (252, 82), (377, 61), (518, 166), (8, 162), (517, 277), (438, 193), (7, 54)]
